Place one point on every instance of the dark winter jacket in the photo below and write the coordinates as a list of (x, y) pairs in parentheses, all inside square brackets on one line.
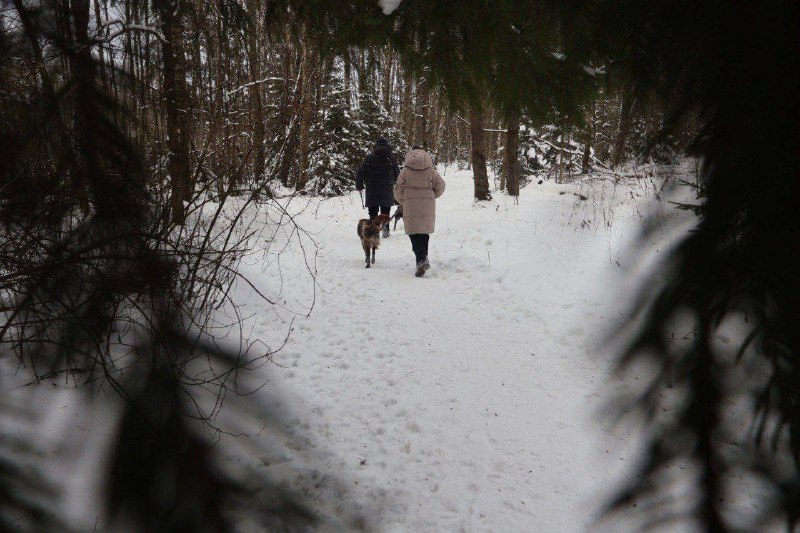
[(378, 173)]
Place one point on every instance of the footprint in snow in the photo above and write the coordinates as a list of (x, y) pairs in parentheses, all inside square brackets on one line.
[(413, 427)]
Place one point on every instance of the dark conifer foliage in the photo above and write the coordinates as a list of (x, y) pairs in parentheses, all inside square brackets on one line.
[(343, 136), (737, 66)]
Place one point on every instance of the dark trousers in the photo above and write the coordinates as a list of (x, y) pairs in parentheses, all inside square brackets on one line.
[(419, 243), (373, 210)]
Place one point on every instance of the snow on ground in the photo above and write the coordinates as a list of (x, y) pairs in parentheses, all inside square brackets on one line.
[(470, 399)]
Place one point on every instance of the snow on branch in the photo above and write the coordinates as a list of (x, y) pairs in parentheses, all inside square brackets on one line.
[(490, 130), (593, 71), (389, 6), (126, 28), (250, 84)]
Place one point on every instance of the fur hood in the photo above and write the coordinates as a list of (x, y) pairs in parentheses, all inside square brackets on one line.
[(418, 187), (418, 160)]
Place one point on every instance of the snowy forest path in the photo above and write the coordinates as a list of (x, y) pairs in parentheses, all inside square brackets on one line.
[(466, 399)]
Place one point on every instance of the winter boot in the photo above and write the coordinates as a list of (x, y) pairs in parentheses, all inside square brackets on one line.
[(422, 267), (385, 234)]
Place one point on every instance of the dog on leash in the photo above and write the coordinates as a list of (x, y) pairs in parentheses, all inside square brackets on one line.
[(398, 214), (370, 233)]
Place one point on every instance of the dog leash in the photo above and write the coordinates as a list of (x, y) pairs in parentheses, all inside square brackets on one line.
[(362, 198)]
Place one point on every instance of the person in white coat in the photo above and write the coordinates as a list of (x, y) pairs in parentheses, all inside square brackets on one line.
[(418, 186)]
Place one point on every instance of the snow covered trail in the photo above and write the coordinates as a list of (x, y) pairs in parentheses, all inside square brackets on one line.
[(467, 400)]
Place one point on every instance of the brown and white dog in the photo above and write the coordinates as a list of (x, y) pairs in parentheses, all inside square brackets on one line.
[(370, 233)]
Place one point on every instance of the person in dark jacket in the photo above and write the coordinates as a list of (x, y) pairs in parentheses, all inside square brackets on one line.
[(378, 173)]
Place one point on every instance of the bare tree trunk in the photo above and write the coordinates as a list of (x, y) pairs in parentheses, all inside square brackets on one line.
[(151, 72), (587, 148), (441, 120), (387, 80), (407, 107), (625, 120), (259, 119), (220, 107), (100, 54), (422, 135), (434, 115), (511, 167), (112, 71), (197, 63), (478, 137), (373, 73), (503, 176), (307, 83), (363, 73), (347, 81), (290, 102), (138, 68), (83, 74), (174, 68)]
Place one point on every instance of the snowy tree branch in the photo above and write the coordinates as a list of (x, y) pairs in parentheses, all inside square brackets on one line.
[(250, 84), (125, 28)]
